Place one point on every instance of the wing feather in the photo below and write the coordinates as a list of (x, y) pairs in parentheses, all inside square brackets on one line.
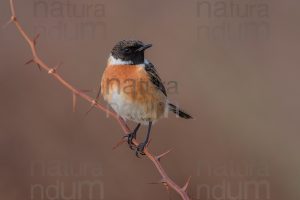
[(154, 77)]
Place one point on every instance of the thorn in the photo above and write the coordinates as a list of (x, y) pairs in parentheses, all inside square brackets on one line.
[(162, 181), (39, 66), (36, 38), (122, 141), (186, 185), (163, 154), (12, 19), (33, 61), (59, 65), (52, 71), (74, 101), (92, 106), (94, 103), (7, 23), (29, 62), (166, 185), (168, 190)]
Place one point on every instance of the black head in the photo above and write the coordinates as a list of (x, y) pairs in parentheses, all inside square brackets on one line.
[(130, 50)]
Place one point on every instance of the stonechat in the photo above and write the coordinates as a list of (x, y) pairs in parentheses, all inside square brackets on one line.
[(133, 88)]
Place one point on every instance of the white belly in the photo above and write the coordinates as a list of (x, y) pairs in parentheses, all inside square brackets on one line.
[(127, 110), (131, 110)]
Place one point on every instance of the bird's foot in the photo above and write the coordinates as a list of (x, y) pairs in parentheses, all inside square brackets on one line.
[(130, 137), (140, 149)]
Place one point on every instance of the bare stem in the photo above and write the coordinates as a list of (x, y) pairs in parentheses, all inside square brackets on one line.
[(166, 180)]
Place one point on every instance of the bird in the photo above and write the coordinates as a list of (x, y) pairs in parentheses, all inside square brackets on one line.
[(132, 87)]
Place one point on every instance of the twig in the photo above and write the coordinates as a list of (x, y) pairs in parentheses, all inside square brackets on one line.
[(166, 180)]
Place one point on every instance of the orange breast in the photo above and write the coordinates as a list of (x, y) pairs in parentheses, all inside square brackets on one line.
[(135, 87)]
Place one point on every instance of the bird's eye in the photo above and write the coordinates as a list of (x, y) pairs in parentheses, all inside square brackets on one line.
[(127, 50)]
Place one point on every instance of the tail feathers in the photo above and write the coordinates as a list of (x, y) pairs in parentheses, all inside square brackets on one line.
[(179, 112)]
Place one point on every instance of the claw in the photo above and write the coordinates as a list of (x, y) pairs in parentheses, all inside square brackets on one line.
[(131, 146), (137, 154), (130, 137), (140, 149)]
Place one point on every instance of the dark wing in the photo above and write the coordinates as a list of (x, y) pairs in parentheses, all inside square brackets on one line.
[(155, 79)]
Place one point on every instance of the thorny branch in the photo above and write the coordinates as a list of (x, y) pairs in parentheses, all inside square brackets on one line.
[(52, 71)]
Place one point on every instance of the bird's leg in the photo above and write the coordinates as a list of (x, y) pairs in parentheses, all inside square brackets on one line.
[(140, 148), (131, 136)]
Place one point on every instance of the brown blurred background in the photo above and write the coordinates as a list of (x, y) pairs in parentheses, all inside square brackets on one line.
[(236, 64)]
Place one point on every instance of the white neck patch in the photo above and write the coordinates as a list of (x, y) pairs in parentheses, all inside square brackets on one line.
[(116, 61)]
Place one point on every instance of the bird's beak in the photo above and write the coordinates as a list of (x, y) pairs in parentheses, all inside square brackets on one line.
[(143, 48)]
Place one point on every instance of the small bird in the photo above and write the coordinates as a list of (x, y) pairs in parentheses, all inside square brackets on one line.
[(134, 90)]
